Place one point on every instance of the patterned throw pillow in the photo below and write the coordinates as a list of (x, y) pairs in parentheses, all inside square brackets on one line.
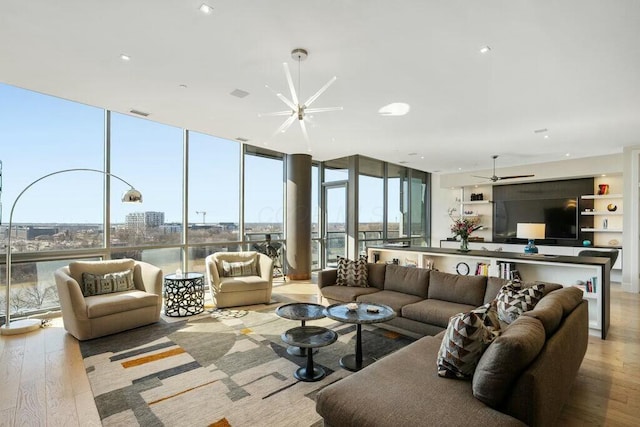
[(99, 284), (352, 273), (514, 299), (239, 268), (467, 336)]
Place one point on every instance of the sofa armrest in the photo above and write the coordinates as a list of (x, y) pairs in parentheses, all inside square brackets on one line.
[(266, 267), (327, 277), (149, 276), (213, 276), (70, 294)]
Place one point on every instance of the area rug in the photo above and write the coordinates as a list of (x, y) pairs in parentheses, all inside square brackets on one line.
[(221, 368)]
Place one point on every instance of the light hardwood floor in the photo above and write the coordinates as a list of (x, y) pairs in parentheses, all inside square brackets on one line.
[(43, 383)]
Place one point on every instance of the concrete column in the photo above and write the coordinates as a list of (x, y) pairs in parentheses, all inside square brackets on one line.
[(298, 211)]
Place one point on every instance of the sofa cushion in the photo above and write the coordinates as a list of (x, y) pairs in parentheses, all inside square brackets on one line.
[(466, 338), (99, 284), (454, 288), (513, 300), (568, 298), (434, 311), (345, 293), (393, 299), (352, 273), (119, 302), (407, 280), (506, 358), (242, 283), (493, 286), (239, 268), (404, 389), (376, 275)]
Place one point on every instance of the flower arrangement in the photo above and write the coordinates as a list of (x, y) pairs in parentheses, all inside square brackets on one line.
[(463, 227)]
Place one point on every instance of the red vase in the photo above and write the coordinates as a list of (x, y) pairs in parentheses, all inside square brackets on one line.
[(603, 189)]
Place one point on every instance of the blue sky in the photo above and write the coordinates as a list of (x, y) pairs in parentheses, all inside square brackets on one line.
[(40, 134)]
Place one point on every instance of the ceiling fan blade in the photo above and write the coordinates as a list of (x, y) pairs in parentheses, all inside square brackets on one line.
[(514, 176), (483, 177), (292, 88), (277, 113), (304, 130), (285, 125), (320, 92), (322, 110)]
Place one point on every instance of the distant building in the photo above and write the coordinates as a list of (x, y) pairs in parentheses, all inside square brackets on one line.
[(142, 220), (229, 226), (30, 233)]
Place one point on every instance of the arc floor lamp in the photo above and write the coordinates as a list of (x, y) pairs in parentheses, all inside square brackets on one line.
[(21, 326)]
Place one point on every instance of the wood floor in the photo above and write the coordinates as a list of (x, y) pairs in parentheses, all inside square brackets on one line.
[(43, 383)]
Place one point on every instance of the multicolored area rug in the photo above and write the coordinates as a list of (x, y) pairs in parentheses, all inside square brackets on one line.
[(222, 368)]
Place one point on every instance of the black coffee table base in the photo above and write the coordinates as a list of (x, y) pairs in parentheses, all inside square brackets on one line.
[(299, 351), (310, 372), (349, 362)]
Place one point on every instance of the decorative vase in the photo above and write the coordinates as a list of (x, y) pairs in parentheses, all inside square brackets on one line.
[(464, 244), (603, 189)]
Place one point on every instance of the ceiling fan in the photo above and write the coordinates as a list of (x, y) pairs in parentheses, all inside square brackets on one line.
[(296, 109), (495, 178)]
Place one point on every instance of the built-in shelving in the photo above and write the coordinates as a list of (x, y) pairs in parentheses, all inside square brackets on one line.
[(601, 213), (602, 230), (601, 196), (475, 202)]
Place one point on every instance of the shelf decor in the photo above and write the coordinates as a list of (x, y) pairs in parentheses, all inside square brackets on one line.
[(463, 227)]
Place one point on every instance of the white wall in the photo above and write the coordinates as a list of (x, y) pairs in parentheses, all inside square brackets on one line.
[(445, 187)]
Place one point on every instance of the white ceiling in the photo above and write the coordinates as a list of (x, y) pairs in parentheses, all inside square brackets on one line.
[(570, 66)]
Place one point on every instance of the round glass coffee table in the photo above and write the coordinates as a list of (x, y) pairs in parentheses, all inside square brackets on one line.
[(302, 311), (309, 337), (364, 313)]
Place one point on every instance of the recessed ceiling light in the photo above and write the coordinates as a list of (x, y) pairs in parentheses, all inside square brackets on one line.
[(568, 155), (422, 157), (603, 175), (485, 49), (206, 9), (125, 57), (546, 137), (394, 109), (459, 169)]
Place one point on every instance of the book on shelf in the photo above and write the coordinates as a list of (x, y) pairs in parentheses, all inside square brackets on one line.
[(505, 269), (482, 269)]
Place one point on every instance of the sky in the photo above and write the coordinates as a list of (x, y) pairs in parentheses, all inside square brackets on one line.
[(41, 134)]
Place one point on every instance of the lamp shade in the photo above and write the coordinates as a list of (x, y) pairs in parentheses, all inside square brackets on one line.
[(132, 196), (530, 230)]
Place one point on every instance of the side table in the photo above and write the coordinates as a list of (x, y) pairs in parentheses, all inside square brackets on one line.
[(183, 294), (309, 337), (300, 311)]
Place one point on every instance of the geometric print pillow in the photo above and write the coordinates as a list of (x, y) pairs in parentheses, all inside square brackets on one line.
[(99, 284), (352, 273), (239, 268), (513, 300), (466, 338)]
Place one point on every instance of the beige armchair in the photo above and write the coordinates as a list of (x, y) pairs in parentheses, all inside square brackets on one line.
[(98, 315), (243, 289)]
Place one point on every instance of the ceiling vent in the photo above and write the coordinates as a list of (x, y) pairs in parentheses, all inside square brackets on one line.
[(241, 139), (139, 113), (239, 93)]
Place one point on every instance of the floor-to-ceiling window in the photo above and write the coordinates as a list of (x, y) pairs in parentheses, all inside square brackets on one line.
[(149, 156), (41, 135), (370, 203), (397, 202), (214, 197)]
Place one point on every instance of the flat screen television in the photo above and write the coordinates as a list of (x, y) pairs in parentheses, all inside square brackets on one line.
[(559, 215)]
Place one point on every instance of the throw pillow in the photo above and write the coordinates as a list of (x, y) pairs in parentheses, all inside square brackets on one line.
[(99, 284), (466, 338), (238, 268), (352, 273), (513, 299)]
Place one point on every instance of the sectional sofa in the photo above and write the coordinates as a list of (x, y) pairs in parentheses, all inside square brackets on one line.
[(524, 377)]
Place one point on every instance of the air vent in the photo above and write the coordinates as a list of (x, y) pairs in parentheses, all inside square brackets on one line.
[(139, 113), (241, 139), (543, 130), (403, 162), (239, 93)]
